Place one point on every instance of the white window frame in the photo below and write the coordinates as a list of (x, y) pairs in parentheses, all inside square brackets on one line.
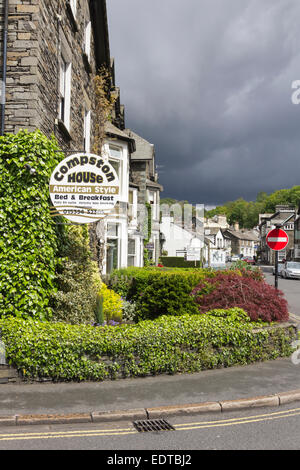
[(87, 130), (87, 39), (114, 237), (65, 83), (132, 255), (119, 160), (73, 5)]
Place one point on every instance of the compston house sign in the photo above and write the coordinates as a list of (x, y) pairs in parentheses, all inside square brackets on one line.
[(84, 188)]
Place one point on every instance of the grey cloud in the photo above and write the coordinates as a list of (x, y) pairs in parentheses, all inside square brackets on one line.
[(208, 82)]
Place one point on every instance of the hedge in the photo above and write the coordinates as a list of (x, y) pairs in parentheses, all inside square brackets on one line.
[(178, 262), (185, 344), (159, 291)]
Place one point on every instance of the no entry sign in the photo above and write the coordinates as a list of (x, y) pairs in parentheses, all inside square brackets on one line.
[(277, 239)]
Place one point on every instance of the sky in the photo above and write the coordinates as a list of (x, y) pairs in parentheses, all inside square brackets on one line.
[(209, 83)]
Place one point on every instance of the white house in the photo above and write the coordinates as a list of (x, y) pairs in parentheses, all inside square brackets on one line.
[(115, 228), (216, 250), (178, 240)]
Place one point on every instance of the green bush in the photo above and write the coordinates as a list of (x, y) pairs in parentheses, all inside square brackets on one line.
[(188, 343), (28, 241), (158, 291)]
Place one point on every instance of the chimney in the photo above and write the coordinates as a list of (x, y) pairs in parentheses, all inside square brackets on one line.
[(236, 226)]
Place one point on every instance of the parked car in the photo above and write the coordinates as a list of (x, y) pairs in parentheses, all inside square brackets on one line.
[(249, 260), (280, 266), (235, 258), (290, 269)]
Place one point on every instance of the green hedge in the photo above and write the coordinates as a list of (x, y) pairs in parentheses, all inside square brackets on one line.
[(159, 291), (178, 262), (189, 343)]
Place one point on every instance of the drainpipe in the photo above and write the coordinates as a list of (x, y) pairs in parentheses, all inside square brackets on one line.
[(3, 91)]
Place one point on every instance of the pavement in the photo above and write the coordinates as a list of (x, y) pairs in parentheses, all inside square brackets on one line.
[(272, 383)]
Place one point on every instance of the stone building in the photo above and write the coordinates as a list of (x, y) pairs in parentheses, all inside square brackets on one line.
[(144, 187), (54, 50), (297, 236), (284, 216), (243, 242)]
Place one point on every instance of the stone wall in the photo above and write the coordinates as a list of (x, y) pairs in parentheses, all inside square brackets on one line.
[(138, 170), (22, 53)]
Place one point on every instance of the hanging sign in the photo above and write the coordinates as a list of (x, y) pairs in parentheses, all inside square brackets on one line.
[(84, 188)]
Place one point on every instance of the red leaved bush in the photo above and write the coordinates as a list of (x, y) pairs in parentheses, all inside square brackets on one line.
[(256, 297)]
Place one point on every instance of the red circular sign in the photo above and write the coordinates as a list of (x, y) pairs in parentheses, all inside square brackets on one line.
[(277, 239)]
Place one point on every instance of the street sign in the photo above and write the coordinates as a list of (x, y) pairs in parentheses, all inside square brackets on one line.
[(192, 254), (277, 239)]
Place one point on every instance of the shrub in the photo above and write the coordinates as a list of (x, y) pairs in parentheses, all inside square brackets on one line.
[(257, 298), (129, 311), (112, 304), (159, 291), (189, 343)]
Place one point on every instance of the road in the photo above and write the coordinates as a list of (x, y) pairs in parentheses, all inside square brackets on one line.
[(291, 290), (260, 429)]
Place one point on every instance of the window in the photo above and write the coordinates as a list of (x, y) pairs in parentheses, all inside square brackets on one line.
[(87, 130), (87, 40), (281, 255), (112, 247), (65, 91), (131, 251), (116, 160), (130, 202), (116, 165)]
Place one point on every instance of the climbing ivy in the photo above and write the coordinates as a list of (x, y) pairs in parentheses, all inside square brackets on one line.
[(148, 231), (28, 238)]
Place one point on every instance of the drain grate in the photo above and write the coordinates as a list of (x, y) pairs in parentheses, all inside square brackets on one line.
[(149, 425)]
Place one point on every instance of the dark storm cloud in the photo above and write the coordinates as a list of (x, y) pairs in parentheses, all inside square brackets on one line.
[(208, 82)]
